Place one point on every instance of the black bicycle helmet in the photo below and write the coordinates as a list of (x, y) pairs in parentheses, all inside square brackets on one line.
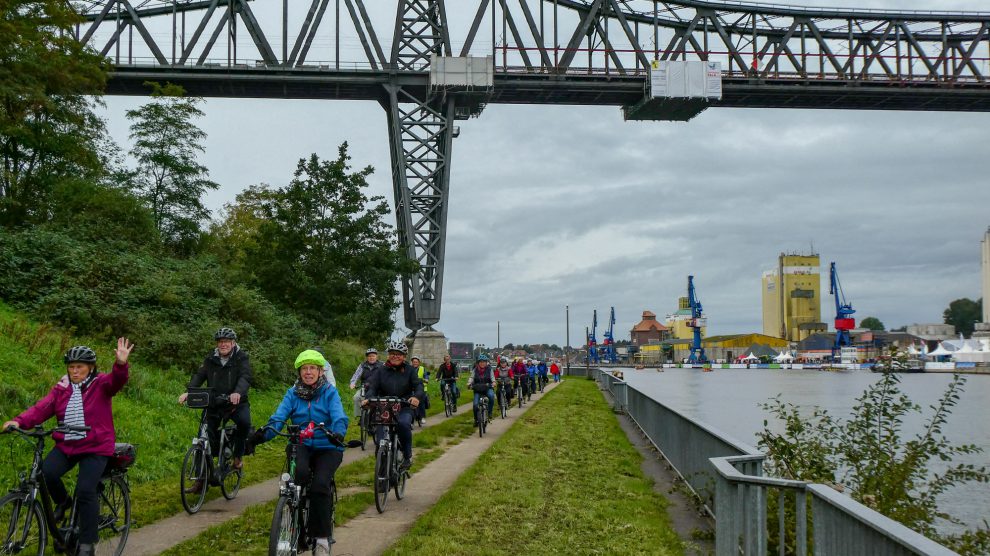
[(80, 354), (225, 334)]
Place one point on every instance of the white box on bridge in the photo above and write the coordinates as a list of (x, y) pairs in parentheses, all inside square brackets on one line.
[(466, 73), (686, 79)]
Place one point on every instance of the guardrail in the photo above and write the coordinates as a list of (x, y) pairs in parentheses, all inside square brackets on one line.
[(755, 514)]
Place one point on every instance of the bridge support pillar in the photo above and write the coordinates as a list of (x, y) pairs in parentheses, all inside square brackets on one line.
[(429, 345)]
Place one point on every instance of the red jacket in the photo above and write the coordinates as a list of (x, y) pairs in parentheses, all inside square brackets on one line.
[(97, 400), (554, 369)]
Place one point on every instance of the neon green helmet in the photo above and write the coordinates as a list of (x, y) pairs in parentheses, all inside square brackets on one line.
[(312, 357)]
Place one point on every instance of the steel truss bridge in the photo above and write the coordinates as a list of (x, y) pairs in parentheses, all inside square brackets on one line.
[(581, 52)]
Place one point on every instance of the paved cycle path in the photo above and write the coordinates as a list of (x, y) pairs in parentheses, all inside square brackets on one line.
[(161, 535), (372, 533)]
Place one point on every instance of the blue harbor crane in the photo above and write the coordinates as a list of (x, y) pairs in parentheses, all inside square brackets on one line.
[(844, 322), (608, 349), (592, 341), (696, 323)]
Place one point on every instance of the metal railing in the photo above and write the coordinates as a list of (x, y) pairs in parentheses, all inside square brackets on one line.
[(756, 514)]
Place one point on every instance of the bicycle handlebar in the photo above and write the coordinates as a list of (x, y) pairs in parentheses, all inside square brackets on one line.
[(38, 432), (298, 430), (390, 399)]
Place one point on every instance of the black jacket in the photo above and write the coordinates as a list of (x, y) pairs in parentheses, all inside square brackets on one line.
[(402, 382), (233, 377), (447, 372)]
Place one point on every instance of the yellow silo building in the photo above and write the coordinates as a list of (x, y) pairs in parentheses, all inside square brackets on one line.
[(678, 322), (792, 307)]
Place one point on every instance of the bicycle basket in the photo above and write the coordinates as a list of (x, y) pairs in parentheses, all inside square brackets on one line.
[(198, 398), (385, 412), (123, 456)]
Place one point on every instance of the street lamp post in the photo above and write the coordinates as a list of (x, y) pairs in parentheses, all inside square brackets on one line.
[(567, 334)]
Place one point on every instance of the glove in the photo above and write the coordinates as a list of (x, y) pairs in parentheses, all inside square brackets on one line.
[(256, 438), (337, 438)]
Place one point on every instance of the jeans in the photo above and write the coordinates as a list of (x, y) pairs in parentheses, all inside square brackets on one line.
[(241, 417), (316, 468), (403, 431), (91, 469), (491, 401), (556, 378)]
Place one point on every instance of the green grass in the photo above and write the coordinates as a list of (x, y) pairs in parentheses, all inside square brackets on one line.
[(145, 412), (563, 480)]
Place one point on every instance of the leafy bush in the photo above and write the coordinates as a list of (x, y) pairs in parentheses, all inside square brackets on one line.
[(868, 456)]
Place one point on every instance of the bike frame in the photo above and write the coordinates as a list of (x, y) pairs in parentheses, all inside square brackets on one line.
[(204, 439)]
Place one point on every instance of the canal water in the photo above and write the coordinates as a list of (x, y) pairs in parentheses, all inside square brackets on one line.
[(729, 400)]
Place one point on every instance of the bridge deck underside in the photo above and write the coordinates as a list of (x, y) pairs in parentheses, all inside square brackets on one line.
[(565, 90)]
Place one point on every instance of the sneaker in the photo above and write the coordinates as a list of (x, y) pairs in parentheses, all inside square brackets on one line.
[(406, 464), (196, 487), (321, 550), (86, 550), (237, 464)]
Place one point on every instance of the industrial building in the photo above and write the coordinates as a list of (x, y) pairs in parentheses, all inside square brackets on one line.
[(792, 298), (679, 321), (648, 330), (720, 349)]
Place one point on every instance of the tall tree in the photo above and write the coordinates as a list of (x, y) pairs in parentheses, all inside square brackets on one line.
[(48, 129), (872, 323), (964, 314), (325, 251), (169, 177)]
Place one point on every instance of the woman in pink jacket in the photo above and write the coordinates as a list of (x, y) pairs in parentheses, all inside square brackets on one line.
[(82, 398)]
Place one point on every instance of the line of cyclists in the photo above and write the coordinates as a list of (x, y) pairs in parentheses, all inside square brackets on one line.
[(82, 401)]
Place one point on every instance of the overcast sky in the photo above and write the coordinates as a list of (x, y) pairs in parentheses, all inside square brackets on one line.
[(562, 205)]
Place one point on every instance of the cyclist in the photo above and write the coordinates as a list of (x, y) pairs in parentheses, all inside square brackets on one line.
[(398, 379), (482, 381), (542, 370), (228, 371), (363, 374), (555, 371), (503, 376), (424, 376), (83, 398), (447, 374), (520, 376), (313, 400), (531, 371)]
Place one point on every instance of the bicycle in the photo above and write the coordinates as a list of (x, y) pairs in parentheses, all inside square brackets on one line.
[(520, 391), (500, 394), (363, 419), (449, 404), (29, 516), (482, 415), (388, 457), (288, 535), (198, 463)]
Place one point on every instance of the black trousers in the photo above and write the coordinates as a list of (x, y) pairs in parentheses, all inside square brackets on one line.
[(91, 469), (241, 417), (316, 468)]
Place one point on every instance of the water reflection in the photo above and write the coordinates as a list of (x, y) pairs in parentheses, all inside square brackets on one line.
[(729, 399)]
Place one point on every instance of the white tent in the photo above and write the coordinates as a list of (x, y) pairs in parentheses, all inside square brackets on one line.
[(912, 350), (783, 357), (751, 357), (940, 351)]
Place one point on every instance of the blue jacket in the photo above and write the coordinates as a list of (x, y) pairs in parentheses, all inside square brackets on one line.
[(325, 407), (542, 368)]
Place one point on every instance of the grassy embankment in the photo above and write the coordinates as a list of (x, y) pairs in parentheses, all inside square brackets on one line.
[(563, 479), (145, 412)]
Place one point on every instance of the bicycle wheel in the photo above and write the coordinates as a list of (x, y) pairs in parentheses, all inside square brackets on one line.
[(448, 404), (230, 478), (381, 482), (285, 529), (333, 507), (114, 522), (482, 419), (26, 533), (519, 396), (194, 468), (400, 477)]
